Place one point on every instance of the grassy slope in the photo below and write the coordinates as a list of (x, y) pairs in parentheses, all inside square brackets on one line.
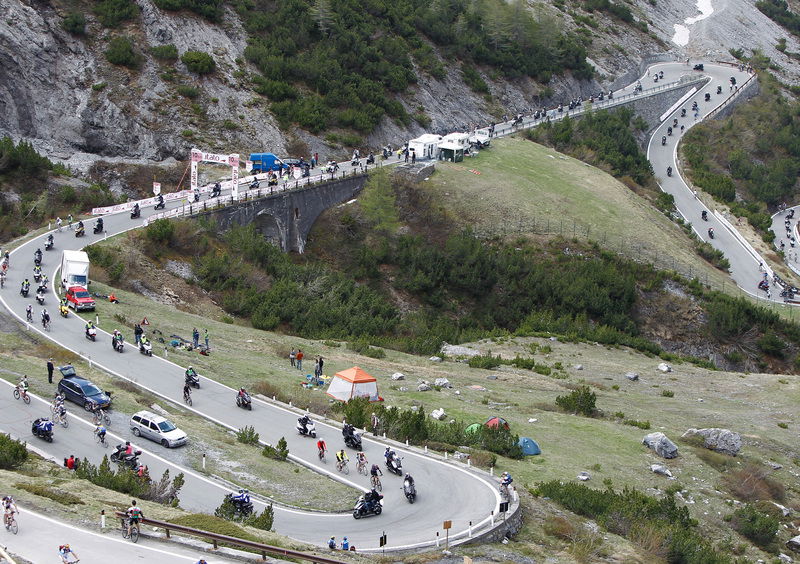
[(750, 404), (524, 186)]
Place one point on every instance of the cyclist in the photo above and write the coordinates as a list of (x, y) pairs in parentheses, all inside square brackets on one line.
[(64, 551), (58, 224), (29, 312), (505, 481), (23, 386), (2, 278), (341, 459), (45, 318), (374, 472), (9, 509), (321, 448), (187, 391), (361, 460), (134, 516), (100, 431)]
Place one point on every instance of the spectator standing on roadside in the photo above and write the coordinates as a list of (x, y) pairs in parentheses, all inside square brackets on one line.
[(300, 359), (50, 369), (292, 357), (205, 336), (137, 333), (195, 337)]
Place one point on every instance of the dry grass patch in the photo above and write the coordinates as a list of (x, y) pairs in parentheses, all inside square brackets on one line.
[(753, 483)]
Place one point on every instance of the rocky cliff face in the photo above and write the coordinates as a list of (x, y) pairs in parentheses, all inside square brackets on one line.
[(60, 92)]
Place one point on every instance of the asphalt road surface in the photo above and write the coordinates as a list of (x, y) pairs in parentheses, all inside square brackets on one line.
[(40, 536), (445, 491)]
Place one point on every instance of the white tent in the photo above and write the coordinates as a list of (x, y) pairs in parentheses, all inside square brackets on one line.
[(353, 383), (425, 146)]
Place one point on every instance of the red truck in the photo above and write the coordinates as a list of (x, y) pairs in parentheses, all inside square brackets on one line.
[(79, 299)]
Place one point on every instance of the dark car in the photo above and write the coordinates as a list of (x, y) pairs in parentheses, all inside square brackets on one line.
[(295, 162), (81, 391)]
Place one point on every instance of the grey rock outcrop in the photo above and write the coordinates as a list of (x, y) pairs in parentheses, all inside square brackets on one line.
[(661, 445), (720, 440), (794, 543)]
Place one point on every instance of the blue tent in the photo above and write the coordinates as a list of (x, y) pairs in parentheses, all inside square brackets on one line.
[(529, 446)]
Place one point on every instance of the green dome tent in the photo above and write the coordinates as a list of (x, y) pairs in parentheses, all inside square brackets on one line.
[(472, 429), (529, 446)]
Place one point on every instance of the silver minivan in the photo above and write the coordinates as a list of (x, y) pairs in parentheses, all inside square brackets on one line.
[(156, 428)]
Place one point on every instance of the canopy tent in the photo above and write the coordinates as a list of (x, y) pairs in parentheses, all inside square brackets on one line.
[(353, 383), (497, 422), (529, 446)]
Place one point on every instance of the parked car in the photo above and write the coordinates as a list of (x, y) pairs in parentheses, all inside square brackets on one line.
[(81, 391), (156, 428), (79, 298)]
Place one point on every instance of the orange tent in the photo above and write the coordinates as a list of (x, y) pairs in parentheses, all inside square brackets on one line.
[(353, 383)]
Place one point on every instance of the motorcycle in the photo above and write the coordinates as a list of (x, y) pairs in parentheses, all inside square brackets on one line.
[(90, 333), (98, 227), (683, 112), (664, 140), (46, 434), (193, 380), (136, 212), (24, 291), (244, 401), (80, 232), (719, 89), (63, 310), (37, 276), (117, 344), (160, 205), (48, 244), (241, 507), (394, 465), (708, 97), (364, 508), (37, 259), (669, 131), (698, 67), (130, 460), (310, 430), (371, 159), (40, 298), (409, 490), (711, 232), (145, 348), (351, 438), (669, 171), (704, 215)]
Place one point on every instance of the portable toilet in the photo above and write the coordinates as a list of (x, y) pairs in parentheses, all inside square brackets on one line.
[(425, 146)]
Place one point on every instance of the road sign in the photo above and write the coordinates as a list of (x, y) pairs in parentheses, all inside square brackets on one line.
[(503, 506), (447, 524), (382, 541), (156, 188)]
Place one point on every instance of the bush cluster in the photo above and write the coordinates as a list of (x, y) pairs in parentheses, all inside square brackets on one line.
[(263, 520), (247, 435), (112, 13), (75, 23), (128, 482), (581, 401), (209, 9), (198, 62), (756, 525), (416, 428), (626, 513), (166, 52), (120, 52), (12, 452)]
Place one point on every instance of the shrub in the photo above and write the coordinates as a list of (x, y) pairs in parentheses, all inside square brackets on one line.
[(161, 231), (667, 394), (12, 453), (199, 62), (120, 52), (262, 521), (755, 525), (112, 13), (753, 483), (247, 435), (165, 52), (640, 424), (64, 498), (75, 23), (209, 9), (486, 361), (278, 452), (128, 482), (580, 401), (187, 91)]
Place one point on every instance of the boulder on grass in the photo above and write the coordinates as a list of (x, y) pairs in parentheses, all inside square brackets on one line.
[(720, 440), (398, 376), (438, 414), (424, 387), (632, 376), (664, 367), (794, 543), (661, 445)]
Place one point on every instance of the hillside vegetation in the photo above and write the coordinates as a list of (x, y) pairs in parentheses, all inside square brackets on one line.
[(750, 160)]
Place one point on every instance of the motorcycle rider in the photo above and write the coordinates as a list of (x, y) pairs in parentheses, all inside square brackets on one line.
[(711, 232), (371, 498), (26, 285), (704, 215), (37, 256), (116, 339), (143, 341), (348, 431), (191, 374), (304, 422), (80, 227), (409, 479), (49, 241), (98, 226), (136, 210), (43, 425), (89, 326), (242, 498)]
